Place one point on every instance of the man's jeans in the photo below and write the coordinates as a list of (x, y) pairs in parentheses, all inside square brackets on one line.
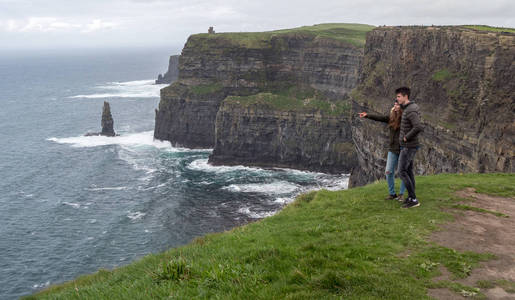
[(391, 166), (405, 169)]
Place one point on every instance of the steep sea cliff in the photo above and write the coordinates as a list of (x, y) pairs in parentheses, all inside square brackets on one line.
[(291, 84), (462, 80), (290, 97)]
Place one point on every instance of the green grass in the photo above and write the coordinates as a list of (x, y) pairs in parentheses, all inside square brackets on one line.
[(490, 28), (348, 244), (293, 99), (482, 210), (508, 286), (353, 34), (206, 88), (442, 75)]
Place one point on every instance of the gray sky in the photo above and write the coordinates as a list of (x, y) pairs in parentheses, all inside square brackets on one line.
[(138, 23)]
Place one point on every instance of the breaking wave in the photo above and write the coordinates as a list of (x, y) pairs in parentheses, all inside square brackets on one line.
[(127, 89), (145, 138)]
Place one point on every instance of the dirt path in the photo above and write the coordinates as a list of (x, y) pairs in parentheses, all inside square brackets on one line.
[(482, 232)]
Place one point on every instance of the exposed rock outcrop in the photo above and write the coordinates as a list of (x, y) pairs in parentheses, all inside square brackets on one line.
[(463, 82), (173, 71), (262, 135), (232, 94), (214, 67), (107, 122)]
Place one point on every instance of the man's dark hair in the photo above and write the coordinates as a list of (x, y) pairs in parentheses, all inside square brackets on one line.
[(405, 91)]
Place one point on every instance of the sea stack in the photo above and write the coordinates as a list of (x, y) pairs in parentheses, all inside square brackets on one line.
[(107, 121)]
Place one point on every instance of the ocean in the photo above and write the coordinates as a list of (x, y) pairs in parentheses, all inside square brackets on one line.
[(71, 204)]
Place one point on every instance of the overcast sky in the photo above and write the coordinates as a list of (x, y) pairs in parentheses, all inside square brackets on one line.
[(167, 23)]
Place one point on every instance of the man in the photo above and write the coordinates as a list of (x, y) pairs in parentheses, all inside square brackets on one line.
[(410, 129), (394, 124)]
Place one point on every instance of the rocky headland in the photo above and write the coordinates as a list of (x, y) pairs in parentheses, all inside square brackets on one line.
[(277, 98), (172, 73), (462, 80), (289, 98)]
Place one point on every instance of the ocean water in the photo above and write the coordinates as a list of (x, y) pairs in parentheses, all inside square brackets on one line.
[(71, 204)]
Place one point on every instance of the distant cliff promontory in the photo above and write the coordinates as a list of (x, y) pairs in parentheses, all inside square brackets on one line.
[(172, 73)]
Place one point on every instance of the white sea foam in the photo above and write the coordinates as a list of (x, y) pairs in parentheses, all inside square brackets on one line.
[(299, 172), (278, 187), (256, 215), (334, 183), (74, 205), (203, 165), (41, 285), (205, 182), (138, 139), (135, 215), (117, 188), (145, 138), (283, 200), (128, 89)]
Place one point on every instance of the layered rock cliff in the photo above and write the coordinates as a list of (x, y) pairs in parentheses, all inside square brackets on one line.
[(214, 67), (172, 73), (461, 78), (302, 133)]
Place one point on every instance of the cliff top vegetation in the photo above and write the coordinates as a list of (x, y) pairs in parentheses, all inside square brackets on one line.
[(490, 28), (324, 245), (350, 33), (293, 99)]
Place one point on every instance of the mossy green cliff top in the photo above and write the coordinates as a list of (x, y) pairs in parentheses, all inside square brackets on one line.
[(350, 33), (293, 99)]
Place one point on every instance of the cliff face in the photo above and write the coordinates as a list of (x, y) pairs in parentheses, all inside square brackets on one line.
[(462, 80), (215, 66), (259, 133), (172, 73)]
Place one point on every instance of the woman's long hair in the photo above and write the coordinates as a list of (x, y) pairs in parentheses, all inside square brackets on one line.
[(395, 118)]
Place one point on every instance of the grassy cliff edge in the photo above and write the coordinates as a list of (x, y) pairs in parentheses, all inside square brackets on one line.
[(326, 244)]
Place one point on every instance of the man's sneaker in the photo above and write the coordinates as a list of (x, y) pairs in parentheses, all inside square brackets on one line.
[(400, 198), (411, 203), (391, 197)]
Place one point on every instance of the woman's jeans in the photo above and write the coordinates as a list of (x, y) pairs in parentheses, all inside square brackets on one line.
[(391, 166)]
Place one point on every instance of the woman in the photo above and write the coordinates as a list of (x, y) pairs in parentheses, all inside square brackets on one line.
[(394, 124)]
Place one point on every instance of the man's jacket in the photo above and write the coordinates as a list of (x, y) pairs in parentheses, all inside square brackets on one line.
[(411, 126)]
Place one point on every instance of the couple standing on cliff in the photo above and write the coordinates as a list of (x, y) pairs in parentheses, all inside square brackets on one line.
[(405, 126)]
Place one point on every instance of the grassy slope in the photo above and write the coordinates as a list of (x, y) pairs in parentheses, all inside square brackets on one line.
[(490, 28), (326, 244), (293, 99), (350, 33)]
